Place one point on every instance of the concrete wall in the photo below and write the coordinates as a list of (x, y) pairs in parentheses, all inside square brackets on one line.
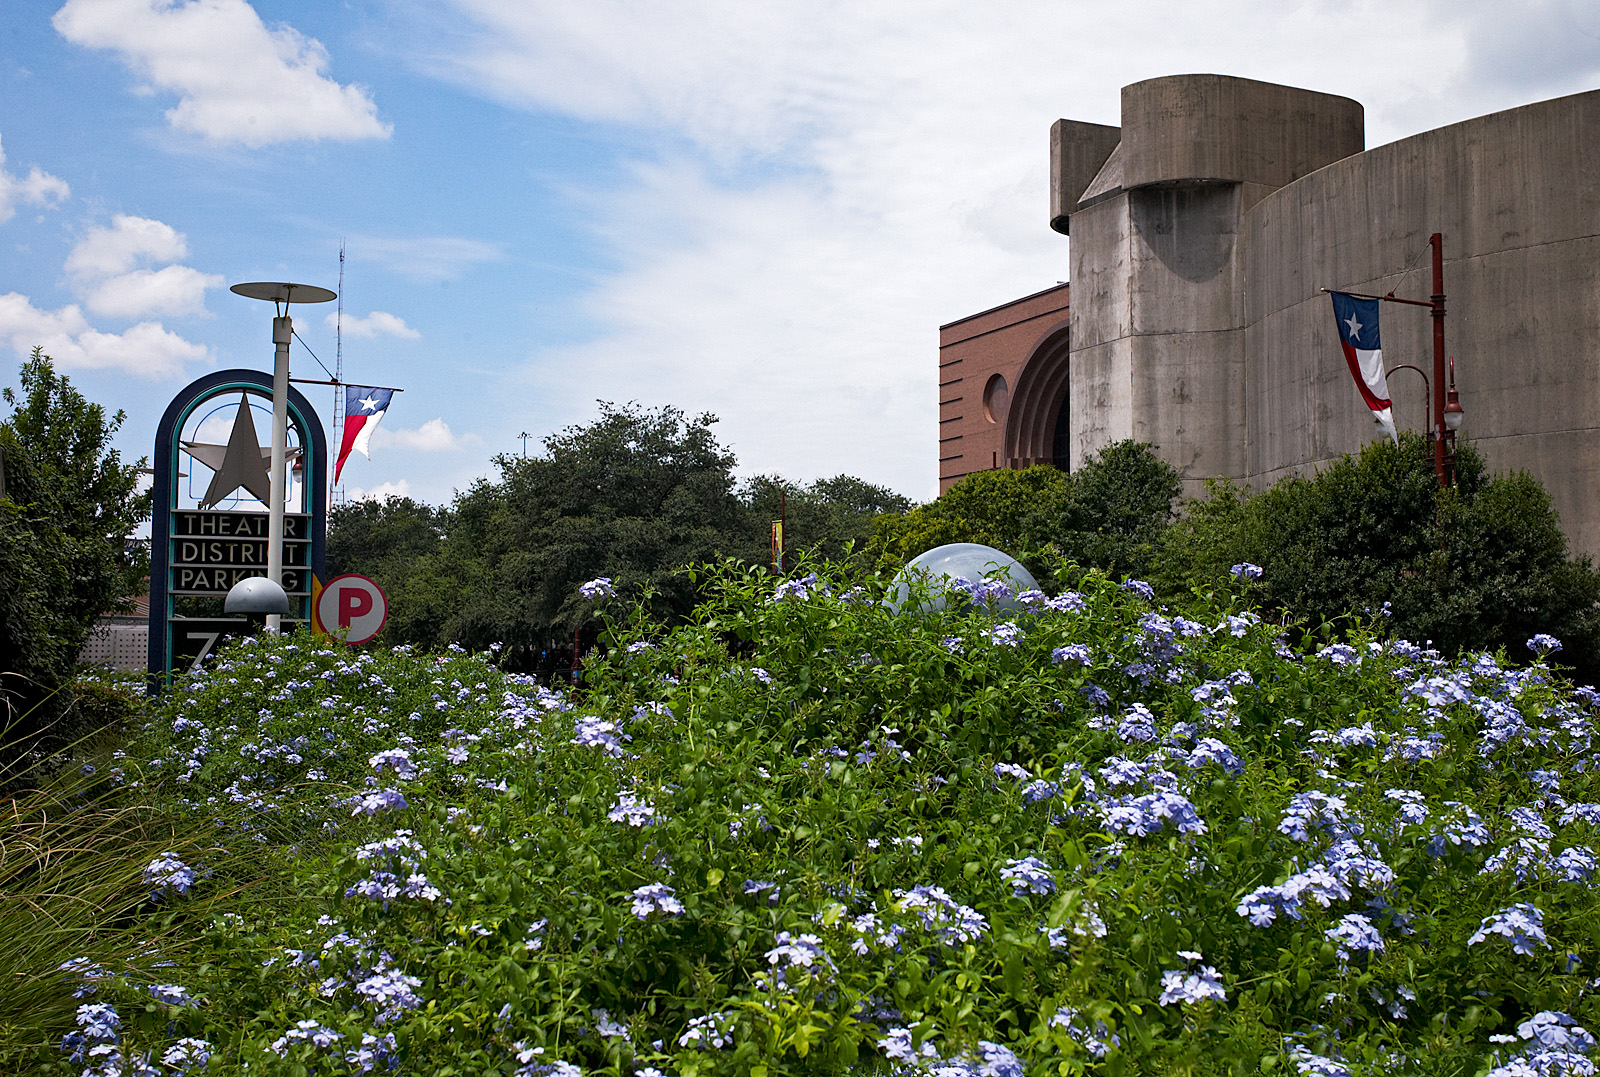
[(1199, 248), (1158, 331), (1183, 128), (1517, 198)]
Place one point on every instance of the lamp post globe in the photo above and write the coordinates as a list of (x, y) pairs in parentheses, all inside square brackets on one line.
[(970, 561), (256, 598)]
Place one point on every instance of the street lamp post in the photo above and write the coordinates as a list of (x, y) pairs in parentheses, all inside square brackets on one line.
[(280, 295), (1446, 417), (1445, 470)]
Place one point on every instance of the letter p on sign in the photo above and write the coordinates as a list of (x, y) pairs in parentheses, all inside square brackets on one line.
[(352, 604)]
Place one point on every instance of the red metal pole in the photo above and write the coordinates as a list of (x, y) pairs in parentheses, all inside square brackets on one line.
[(1437, 242)]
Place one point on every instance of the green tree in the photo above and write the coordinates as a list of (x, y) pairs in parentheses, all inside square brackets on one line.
[(382, 539), (830, 518), (1118, 506), (68, 507), (638, 496)]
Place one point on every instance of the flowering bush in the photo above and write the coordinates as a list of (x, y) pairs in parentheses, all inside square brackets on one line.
[(811, 835)]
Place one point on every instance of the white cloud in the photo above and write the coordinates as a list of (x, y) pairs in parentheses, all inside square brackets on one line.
[(101, 267), (425, 259), (37, 188), (129, 241), (816, 188), (378, 323), (147, 349), (432, 436), (382, 491), (173, 290), (237, 80)]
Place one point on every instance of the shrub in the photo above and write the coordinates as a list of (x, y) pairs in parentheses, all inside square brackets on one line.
[(1481, 565), (802, 834), (1109, 514)]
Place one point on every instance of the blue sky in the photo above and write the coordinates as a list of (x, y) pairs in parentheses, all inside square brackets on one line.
[(762, 210)]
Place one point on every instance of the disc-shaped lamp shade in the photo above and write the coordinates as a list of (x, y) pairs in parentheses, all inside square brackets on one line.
[(942, 565), (278, 292), (256, 595)]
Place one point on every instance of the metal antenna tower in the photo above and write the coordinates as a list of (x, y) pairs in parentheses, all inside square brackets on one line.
[(338, 369)]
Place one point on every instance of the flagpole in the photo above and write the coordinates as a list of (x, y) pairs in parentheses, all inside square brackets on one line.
[(280, 295), (338, 371)]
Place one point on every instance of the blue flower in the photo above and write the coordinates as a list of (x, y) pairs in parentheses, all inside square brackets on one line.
[(389, 992), (186, 1053), (631, 810), (653, 898), (1522, 923), (599, 733), (597, 588), (796, 951), (1246, 571), (308, 1031), (172, 994), (1190, 988), (1005, 634), (99, 1021), (1148, 814), (1030, 875), (379, 800), (1552, 1030), (800, 589), (1072, 652), (1310, 1065), (396, 759), (1138, 725), (761, 886), (1140, 588), (1543, 644), (1352, 934), (939, 912), (1038, 790), (1097, 1039), (712, 1029), (167, 871)]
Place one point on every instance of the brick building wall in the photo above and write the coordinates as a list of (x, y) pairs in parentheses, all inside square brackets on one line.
[(982, 361)]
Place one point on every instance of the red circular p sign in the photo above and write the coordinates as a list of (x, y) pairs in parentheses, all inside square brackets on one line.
[(354, 603)]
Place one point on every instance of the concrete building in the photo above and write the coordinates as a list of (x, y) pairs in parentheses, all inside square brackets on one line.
[(1202, 230)]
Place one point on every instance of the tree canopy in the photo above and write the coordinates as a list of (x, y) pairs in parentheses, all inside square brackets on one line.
[(638, 496), (68, 506)]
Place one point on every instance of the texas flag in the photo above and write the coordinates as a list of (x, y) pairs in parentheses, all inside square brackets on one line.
[(363, 408), (1358, 336)]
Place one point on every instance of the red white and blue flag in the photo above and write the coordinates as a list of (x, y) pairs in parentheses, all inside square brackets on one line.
[(1358, 336), (363, 409)]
